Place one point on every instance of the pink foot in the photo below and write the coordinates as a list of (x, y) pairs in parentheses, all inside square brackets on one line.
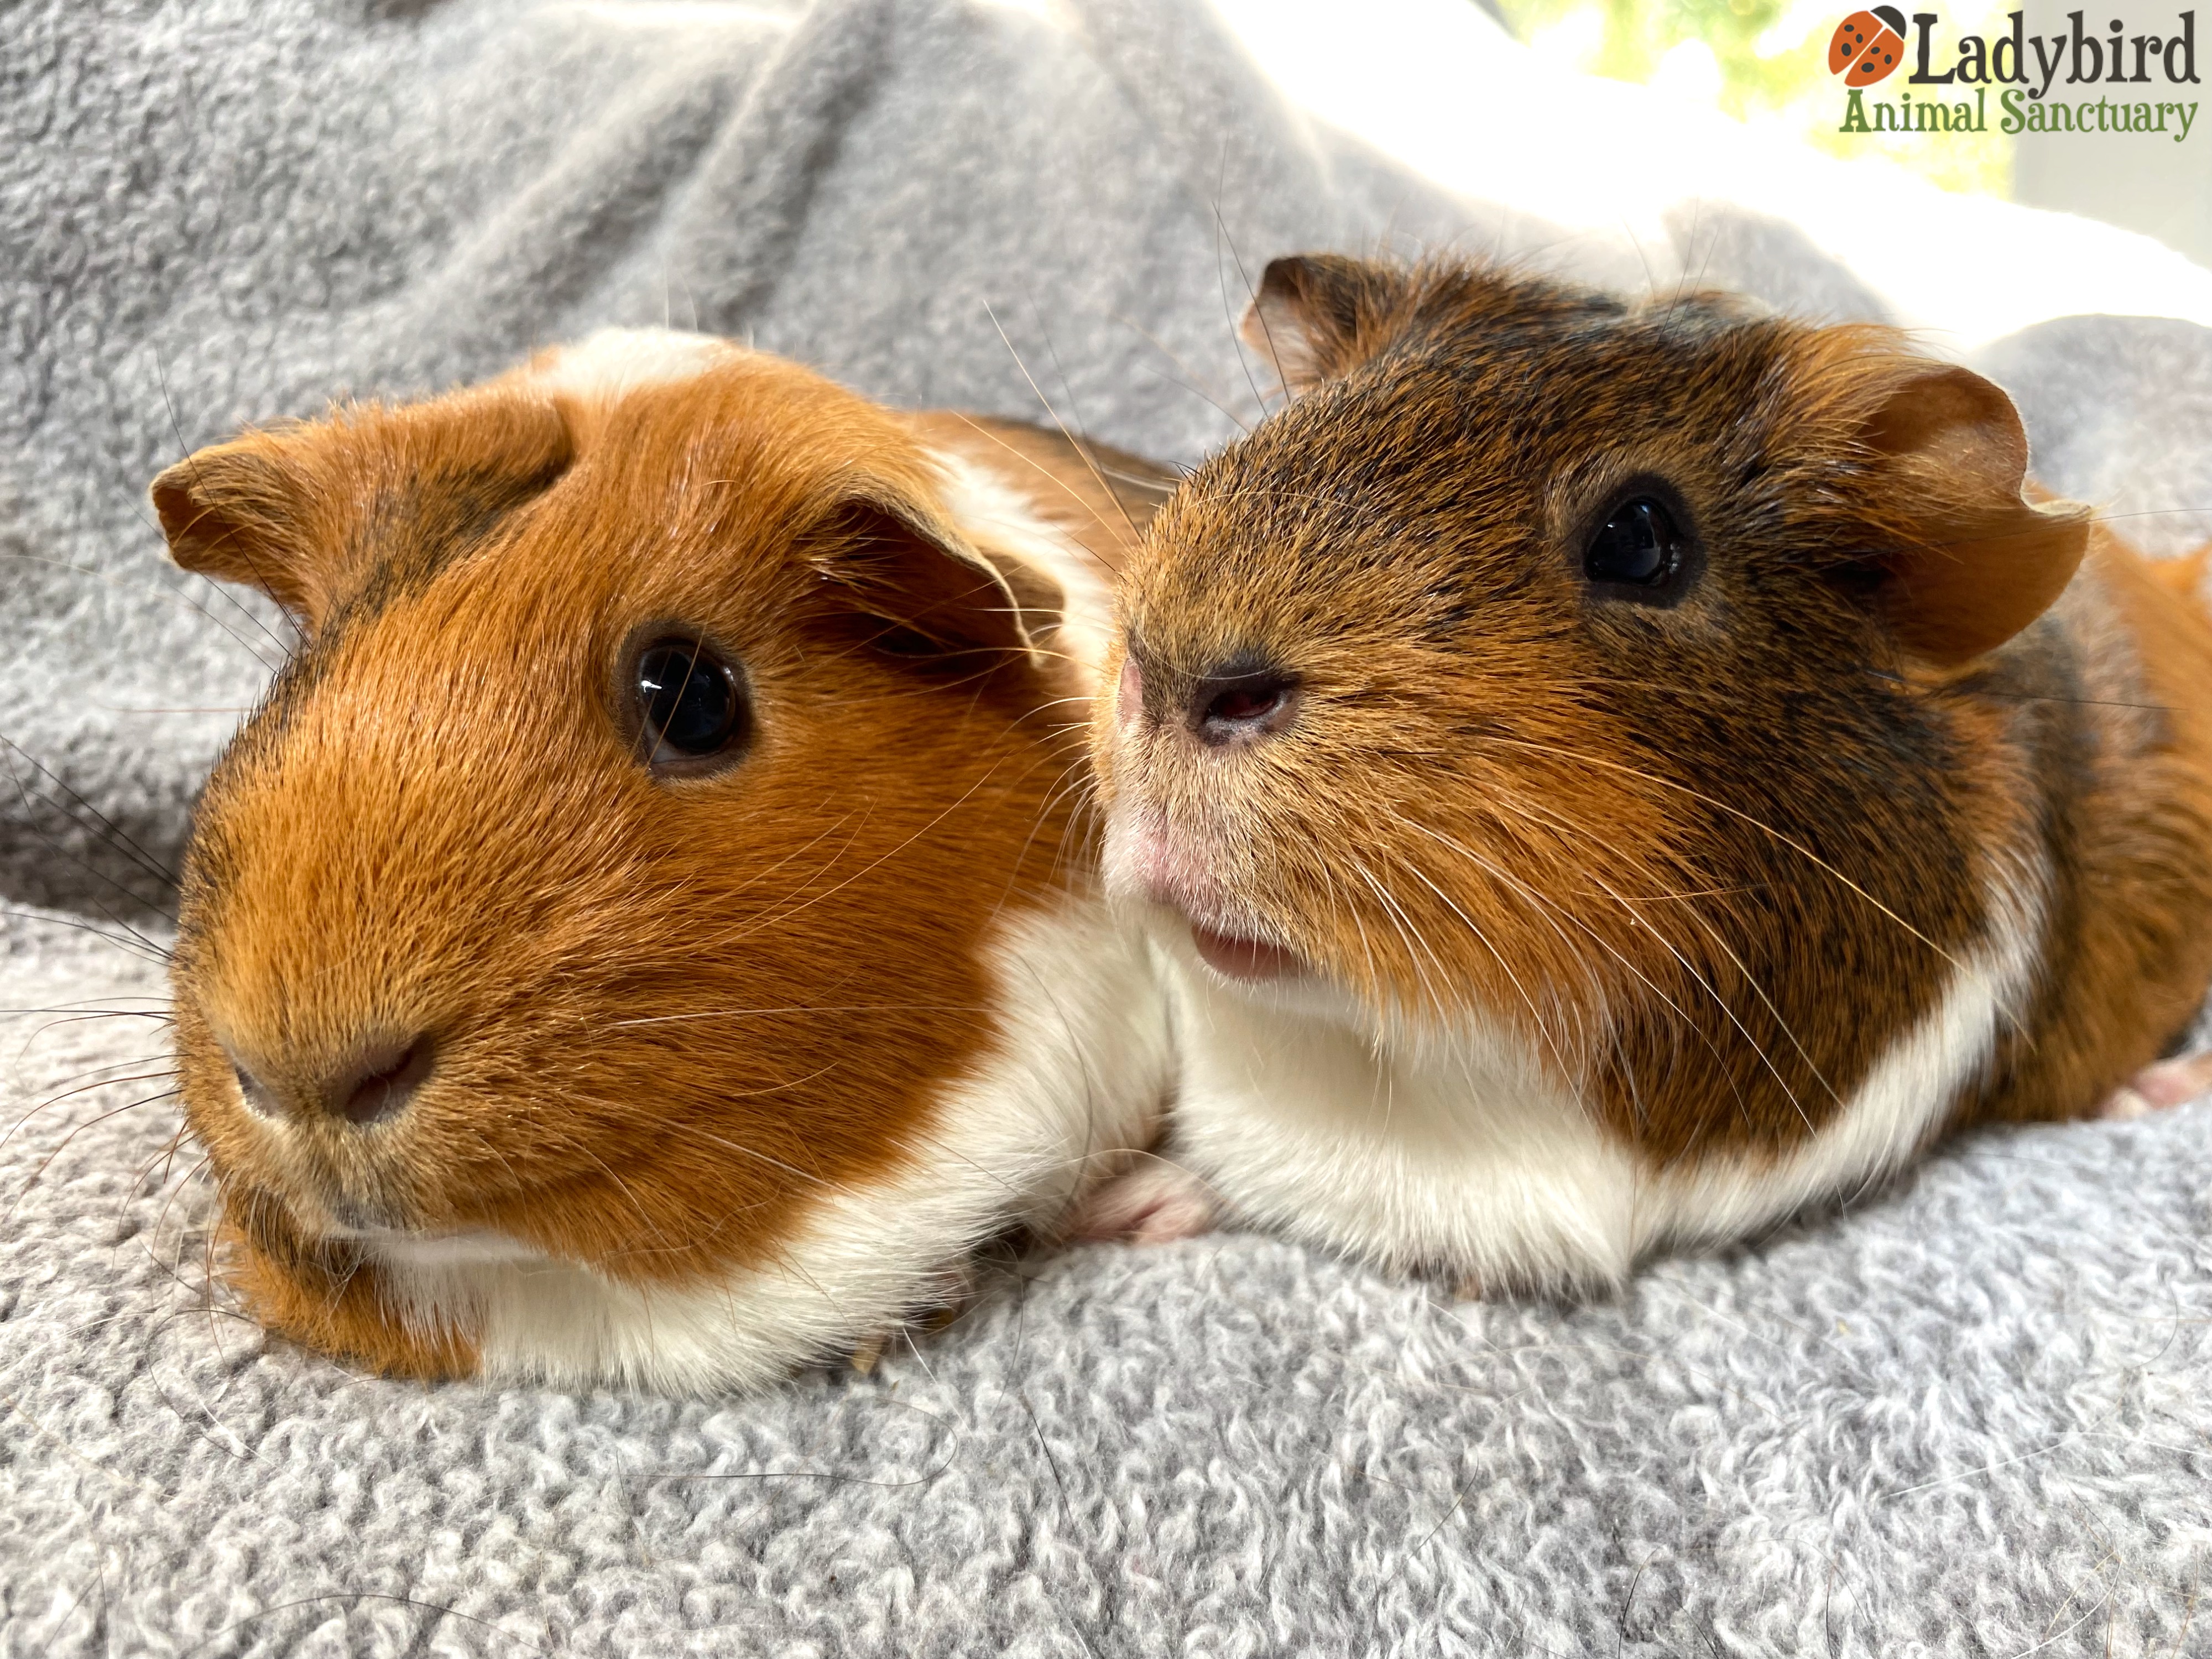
[(1154, 1203), (2155, 1088)]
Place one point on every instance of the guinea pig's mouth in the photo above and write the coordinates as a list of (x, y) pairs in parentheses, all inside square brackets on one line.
[(1251, 959), (1145, 859)]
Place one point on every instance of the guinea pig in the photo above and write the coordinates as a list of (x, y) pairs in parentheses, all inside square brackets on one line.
[(1608, 773), (648, 933)]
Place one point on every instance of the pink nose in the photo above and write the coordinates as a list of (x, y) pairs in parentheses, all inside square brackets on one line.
[(1129, 697)]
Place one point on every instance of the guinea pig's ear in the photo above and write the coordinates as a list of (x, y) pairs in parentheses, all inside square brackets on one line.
[(238, 511), (903, 565), (305, 513), (1976, 561), (1308, 318)]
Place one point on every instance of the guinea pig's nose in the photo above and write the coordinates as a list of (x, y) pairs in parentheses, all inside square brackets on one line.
[(1241, 700), (1129, 695), (382, 1081), (375, 1084)]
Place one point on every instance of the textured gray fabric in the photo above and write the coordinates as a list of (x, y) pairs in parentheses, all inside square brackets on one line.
[(2120, 408), (1769, 259), (1967, 1418), (227, 213), (1971, 1416)]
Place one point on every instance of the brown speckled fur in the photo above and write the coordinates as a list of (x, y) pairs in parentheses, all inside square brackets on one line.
[(1709, 856)]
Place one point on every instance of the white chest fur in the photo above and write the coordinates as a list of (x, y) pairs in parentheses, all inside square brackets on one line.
[(1464, 1152), (1081, 1070)]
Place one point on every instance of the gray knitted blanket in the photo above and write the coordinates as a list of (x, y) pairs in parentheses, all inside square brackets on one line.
[(1972, 1414)]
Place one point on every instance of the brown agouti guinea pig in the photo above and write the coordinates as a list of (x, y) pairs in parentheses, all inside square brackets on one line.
[(646, 933), (1614, 773)]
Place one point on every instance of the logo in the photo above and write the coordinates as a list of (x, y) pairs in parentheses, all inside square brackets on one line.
[(1867, 45), (2125, 72)]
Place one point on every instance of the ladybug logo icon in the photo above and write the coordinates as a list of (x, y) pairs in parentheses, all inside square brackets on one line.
[(1867, 45)]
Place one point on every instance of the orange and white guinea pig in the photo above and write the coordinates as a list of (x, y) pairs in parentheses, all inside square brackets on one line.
[(1612, 773), (648, 933)]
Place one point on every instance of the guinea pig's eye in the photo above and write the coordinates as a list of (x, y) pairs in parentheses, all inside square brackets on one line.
[(690, 708), (1639, 546)]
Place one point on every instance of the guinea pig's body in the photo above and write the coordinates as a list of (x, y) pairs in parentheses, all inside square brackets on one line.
[(1609, 776), (646, 934)]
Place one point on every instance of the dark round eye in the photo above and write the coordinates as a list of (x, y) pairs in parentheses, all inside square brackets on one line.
[(1637, 546), (688, 703)]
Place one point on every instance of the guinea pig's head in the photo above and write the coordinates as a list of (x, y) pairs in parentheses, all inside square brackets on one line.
[(595, 954), (1542, 633)]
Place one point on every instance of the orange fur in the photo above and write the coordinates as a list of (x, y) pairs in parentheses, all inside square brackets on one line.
[(2135, 968), (667, 1011), (330, 1299)]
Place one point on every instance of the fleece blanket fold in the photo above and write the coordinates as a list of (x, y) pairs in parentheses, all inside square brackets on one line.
[(1968, 1414)]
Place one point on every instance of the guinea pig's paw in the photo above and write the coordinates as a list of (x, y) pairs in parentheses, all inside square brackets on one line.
[(1155, 1203), (945, 1296), (2155, 1088), (867, 1351)]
